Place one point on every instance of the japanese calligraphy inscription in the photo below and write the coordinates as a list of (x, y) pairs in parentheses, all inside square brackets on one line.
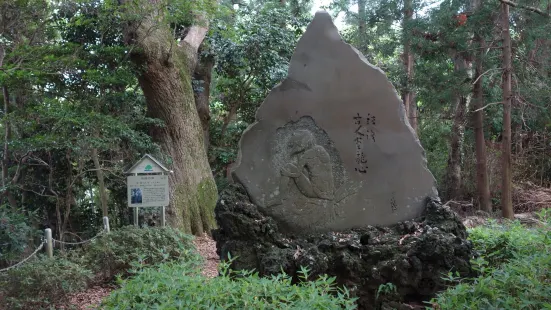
[(365, 128)]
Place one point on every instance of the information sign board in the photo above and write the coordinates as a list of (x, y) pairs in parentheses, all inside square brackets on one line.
[(148, 191)]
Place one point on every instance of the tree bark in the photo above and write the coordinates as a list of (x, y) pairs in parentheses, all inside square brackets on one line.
[(408, 95), (166, 84), (362, 26), (203, 74), (482, 184), (6, 157), (453, 173), (101, 182), (412, 114), (506, 193)]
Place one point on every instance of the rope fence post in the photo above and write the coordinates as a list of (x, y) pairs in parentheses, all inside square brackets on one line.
[(49, 243), (136, 216), (106, 224)]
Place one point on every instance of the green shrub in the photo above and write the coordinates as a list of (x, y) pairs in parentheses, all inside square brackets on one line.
[(514, 267), (180, 286), (42, 281), (520, 284), (499, 243), (119, 251), (15, 235), (545, 215)]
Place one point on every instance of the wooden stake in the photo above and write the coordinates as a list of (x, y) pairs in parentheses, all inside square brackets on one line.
[(49, 243), (136, 216), (106, 224)]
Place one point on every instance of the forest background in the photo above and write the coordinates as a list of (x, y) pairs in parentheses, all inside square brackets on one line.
[(89, 86)]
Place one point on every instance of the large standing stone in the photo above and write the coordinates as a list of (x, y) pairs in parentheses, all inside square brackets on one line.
[(332, 148)]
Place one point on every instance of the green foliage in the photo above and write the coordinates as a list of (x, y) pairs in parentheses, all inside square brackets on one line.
[(73, 91), (436, 148), (499, 243), (252, 49), (42, 281), (15, 234), (121, 250), (519, 284), (180, 285), (545, 215), (386, 289), (514, 271)]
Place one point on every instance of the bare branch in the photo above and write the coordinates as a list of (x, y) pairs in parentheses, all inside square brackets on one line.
[(489, 104), (529, 8), (196, 34), (478, 78), (15, 178), (34, 192)]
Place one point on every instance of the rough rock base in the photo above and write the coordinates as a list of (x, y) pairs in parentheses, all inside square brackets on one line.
[(412, 255)]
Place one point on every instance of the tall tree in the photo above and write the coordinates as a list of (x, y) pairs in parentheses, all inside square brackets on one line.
[(506, 194), (165, 80), (454, 173), (408, 96), (458, 45), (482, 184), (362, 26)]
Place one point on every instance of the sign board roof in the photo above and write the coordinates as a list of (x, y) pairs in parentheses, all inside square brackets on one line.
[(147, 164)]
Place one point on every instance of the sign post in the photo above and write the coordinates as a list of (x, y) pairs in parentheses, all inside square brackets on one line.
[(147, 186)]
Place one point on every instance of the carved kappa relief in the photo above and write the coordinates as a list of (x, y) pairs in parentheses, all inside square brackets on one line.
[(309, 170)]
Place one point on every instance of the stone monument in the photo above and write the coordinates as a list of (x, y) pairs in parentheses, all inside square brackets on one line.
[(331, 147), (332, 177)]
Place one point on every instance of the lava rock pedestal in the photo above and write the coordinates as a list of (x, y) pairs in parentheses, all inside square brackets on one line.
[(412, 255)]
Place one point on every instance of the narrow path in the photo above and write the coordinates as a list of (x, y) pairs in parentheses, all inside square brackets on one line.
[(207, 248)]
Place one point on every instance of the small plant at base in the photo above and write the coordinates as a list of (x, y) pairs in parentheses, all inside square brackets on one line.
[(181, 285), (545, 215), (386, 289)]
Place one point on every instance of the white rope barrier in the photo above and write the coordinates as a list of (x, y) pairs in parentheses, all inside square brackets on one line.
[(77, 243), (54, 241), (26, 259)]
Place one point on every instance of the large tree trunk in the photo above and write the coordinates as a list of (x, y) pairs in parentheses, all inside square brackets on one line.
[(482, 184), (453, 173), (166, 83), (506, 194)]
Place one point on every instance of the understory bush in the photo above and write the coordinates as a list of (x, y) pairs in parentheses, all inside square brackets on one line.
[(181, 286), (42, 281), (499, 243), (117, 252), (514, 266), (15, 234)]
